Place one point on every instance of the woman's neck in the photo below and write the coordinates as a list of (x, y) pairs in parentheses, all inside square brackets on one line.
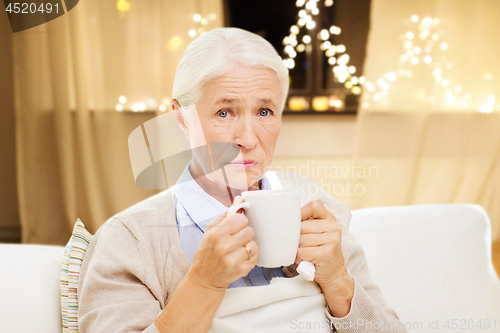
[(222, 193)]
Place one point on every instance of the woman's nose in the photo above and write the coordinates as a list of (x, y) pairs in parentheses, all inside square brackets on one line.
[(245, 132)]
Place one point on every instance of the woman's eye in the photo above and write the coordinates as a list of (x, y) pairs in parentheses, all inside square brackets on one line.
[(264, 112), (223, 114)]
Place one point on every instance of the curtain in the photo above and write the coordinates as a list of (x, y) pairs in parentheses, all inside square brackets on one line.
[(431, 126), (70, 74)]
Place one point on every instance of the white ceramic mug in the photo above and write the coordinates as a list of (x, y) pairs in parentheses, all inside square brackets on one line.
[(276, 219)]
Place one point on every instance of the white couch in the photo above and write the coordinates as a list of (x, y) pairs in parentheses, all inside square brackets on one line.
[(433, 265), (432, 262)]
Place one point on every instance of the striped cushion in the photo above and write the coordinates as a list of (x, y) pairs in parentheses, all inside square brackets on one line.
[(73, 258)]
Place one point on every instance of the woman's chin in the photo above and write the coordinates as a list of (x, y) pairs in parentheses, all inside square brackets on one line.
[(239, 173)]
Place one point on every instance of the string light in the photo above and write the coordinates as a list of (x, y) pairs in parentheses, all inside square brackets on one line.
[(391, 76), (290, 63), (324, 35), (335, 30), (331, 51), (485, 108), (426, 22), (454, 97), (343, 77), (344, 59), (337, 58), (326, 45), (491, 100), (311, 4), (311, 25), (197, 18)]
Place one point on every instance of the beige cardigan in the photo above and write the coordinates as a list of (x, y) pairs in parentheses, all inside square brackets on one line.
[(135, 261)]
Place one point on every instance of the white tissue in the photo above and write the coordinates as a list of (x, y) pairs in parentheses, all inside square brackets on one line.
[(307, 270)]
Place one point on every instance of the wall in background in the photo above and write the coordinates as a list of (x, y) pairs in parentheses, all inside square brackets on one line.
[(320, 147), (316, 136)]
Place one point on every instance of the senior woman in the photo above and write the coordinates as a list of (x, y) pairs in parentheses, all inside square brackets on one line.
[(167, 263)]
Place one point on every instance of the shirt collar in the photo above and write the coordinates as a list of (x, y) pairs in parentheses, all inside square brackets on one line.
[(202, 207)]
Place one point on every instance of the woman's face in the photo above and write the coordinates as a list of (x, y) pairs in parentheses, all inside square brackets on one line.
[(241, 107)]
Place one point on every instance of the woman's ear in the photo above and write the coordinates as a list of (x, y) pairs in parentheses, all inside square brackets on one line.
[(179, 118)]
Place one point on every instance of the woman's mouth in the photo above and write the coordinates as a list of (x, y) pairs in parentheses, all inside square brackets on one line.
[(243, 164)]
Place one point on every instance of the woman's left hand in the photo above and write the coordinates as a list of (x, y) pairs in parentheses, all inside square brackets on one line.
[(320, 243)]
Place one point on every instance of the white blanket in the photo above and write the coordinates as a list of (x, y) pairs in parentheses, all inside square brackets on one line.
[(285, 305)]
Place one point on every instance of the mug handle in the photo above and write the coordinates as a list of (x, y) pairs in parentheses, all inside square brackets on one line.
[(234, 208)]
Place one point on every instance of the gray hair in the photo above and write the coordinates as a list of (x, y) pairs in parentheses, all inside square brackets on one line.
[(219, 51)]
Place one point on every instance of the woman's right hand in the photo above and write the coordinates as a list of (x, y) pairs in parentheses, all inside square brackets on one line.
[(221, 257)]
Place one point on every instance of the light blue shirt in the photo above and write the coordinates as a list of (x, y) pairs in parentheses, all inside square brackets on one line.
[(195, 209)]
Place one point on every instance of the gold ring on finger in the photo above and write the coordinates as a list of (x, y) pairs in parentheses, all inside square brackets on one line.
[(249, 251)]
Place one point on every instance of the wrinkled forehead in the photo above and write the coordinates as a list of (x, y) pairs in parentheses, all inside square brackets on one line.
[(243, 87), (245, 100)]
